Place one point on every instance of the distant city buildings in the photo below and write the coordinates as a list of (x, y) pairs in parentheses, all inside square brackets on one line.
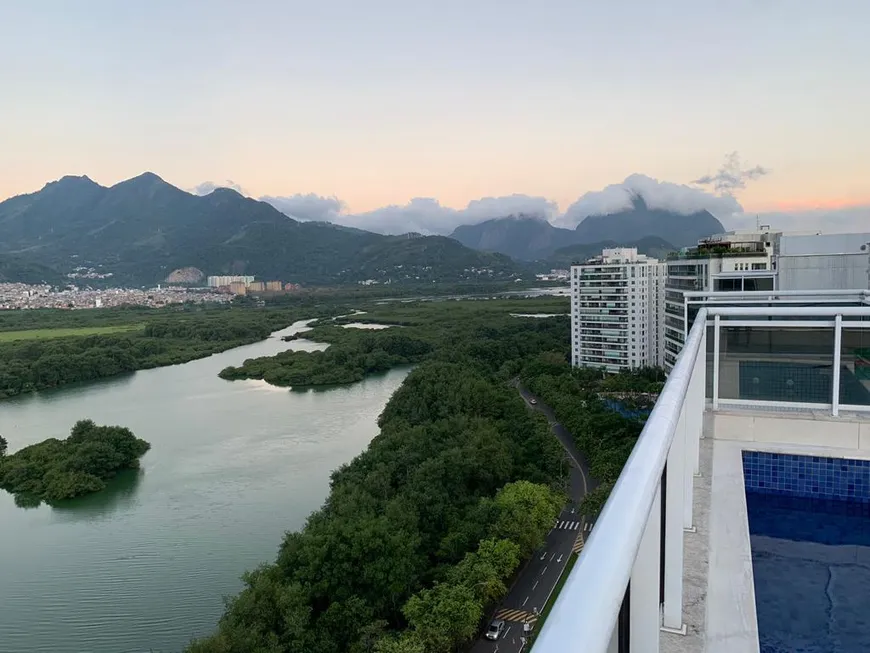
[(18, 296), (554, 275), (82, 272), (244, 285), (617, 302), (226, 280)]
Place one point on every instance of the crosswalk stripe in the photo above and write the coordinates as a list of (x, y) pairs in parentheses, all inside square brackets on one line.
[(519, 616)]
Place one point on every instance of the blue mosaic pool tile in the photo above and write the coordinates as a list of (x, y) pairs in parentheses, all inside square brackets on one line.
[(814, 477)]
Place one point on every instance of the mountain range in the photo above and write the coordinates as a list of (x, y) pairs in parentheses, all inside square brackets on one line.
[(531, 238), (142, 229), (139, 231)]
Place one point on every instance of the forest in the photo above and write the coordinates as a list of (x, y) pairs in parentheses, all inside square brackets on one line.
[(422, 533), (416, 332), (161, 337), (54, 470)]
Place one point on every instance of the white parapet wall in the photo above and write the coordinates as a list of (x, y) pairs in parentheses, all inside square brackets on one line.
[(810, 429)]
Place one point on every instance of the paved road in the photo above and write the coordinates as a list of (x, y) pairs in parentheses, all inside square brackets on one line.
[(537, 580)]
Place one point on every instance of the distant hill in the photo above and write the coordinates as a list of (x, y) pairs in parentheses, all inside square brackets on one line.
[(640, 221), (18, 271), (523, 237), (565, 256), (531, 238), (143, 229)]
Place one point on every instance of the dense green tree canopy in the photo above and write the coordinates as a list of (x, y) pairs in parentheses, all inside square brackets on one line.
[(414, 543), (54, 470), (158, 337)]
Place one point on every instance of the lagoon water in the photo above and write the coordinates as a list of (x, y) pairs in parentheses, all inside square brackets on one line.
[(144, 565)]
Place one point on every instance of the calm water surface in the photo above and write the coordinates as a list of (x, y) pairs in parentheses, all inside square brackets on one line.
[(143, 565)]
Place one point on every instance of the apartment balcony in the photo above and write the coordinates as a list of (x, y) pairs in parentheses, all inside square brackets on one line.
[(741, 521)]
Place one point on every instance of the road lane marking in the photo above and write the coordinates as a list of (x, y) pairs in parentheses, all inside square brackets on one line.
[(534, 586), (551, 557), (578, 543), (544, 572), (544, 555), (526, 601)]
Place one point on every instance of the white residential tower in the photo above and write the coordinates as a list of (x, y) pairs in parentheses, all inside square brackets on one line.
[(617, 311)]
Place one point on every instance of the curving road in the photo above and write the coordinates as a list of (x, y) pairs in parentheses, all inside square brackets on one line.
[(536, 581)]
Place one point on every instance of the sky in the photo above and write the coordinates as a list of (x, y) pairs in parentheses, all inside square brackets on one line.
[(390, 113)]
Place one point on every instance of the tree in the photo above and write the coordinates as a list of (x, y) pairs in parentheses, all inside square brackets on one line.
[(444, 616), (3, 446), (526, 514), (405, 643)]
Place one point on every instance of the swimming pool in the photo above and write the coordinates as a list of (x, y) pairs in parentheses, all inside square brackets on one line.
[(809, 525)]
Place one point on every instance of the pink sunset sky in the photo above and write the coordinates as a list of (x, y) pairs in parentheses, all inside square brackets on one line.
[(382, 102)]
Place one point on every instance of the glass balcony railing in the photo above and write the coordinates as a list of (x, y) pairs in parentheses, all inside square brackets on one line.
[(799, 356)]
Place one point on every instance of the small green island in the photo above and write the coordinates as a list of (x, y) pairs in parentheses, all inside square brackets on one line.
[(54, 470)]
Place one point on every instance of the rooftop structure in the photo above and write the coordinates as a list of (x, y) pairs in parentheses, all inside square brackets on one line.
[(761, 261), (702, 545)]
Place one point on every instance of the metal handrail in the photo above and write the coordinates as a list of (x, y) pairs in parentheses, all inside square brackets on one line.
[(858, 292), (795, 311), (589, 603)]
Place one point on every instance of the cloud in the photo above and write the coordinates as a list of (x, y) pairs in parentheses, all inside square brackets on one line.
[(422, 214), (207, 187), (657, 195), (308, 207), (428, 216), (731, 177)]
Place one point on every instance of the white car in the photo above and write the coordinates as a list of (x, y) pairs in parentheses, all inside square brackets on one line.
[(496, 628)]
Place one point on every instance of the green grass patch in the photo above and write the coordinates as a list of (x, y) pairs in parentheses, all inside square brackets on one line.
[(555, 595), (48, 334)]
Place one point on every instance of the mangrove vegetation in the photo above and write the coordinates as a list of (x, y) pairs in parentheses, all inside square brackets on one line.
[(54, 470)]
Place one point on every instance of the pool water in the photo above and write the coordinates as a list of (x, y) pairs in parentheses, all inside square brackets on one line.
[(810, 539)]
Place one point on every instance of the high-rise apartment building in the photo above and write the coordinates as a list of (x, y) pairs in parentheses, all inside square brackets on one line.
[(617, 303), (733, 261), (758, 261)]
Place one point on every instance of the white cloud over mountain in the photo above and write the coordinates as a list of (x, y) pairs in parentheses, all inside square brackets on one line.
[(208, 186), (428, 216), (657, 195)]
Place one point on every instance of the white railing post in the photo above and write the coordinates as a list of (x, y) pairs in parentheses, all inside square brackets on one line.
[(677, 471), (644, 609), (694, 416), (716, 325), (835, 382)]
